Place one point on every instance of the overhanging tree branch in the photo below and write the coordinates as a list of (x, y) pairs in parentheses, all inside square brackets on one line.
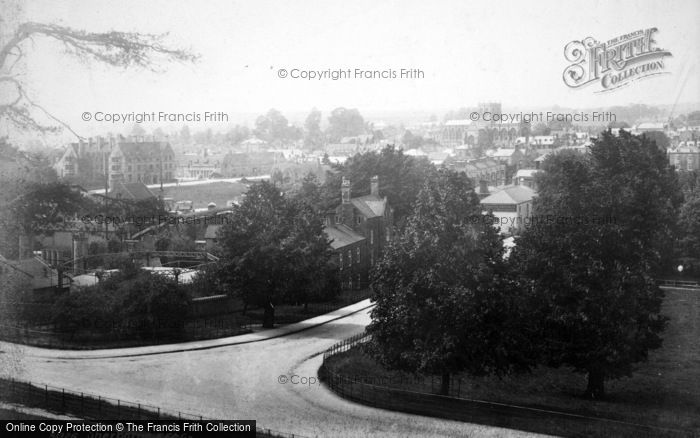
[(118, 49)]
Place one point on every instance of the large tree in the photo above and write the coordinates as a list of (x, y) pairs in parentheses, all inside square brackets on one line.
[(605, 223), (344, 122), (118, 49), (401, 177), (40, 206), (688, 245), (274, 127), (444, 302), (274, 250), (313, 136)]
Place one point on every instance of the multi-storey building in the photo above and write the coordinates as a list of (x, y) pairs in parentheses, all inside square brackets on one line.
[(140, 161), (686, 156), (118, 159), (511, 207), (487, 129), (86, 159), (359, 228), (479, 169)]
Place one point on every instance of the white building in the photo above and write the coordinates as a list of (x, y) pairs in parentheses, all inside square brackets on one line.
[(511, 207)]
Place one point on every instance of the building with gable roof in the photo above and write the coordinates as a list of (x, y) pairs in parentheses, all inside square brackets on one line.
[(135, 191), (511, 206), (359, 229), (685, 156), (150, 162)]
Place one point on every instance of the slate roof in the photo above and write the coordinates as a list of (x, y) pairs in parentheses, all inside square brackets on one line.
[(370, 205), (135, 190), (146, 150), (510, 195), (462, 122), (504, 152), (341, 235), (526, 173)]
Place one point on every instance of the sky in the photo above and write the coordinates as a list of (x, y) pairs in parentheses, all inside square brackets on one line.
[(469, 51)]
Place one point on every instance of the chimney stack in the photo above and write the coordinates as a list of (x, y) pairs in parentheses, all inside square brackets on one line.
[(345, 191), (374, 184), (346, 206), (483, 189)]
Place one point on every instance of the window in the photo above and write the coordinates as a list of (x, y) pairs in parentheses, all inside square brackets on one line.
[(357, 283), (349, 257), (337, 219), (371, 237), (357, 255), (359, 220), (341, 261)]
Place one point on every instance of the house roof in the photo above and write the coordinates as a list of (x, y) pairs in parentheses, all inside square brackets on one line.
[(526, 173), (504, 152), (42, 275), (342, 235), (463, 122), (370, 205), (510, 195), (136, 191), (145, 149), (254, 140), (415, 153), (651, 125), (690, 149)]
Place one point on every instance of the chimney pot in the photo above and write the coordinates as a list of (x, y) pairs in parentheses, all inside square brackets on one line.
[(345, 190), (374, 184)]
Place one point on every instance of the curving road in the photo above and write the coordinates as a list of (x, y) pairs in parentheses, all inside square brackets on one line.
[(240, 381)]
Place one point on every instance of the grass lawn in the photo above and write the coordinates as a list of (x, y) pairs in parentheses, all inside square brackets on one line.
[(8, 414), (663, 392), (201, 195)]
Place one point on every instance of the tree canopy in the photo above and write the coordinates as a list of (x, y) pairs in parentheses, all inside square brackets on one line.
[(444, 302), (344, 122), (401, 178), (275, 251), (605, 223)]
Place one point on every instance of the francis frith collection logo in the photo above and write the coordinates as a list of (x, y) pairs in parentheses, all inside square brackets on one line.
[(614, 63)]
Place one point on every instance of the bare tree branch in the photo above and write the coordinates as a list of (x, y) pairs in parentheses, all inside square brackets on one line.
[(118, 49)]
